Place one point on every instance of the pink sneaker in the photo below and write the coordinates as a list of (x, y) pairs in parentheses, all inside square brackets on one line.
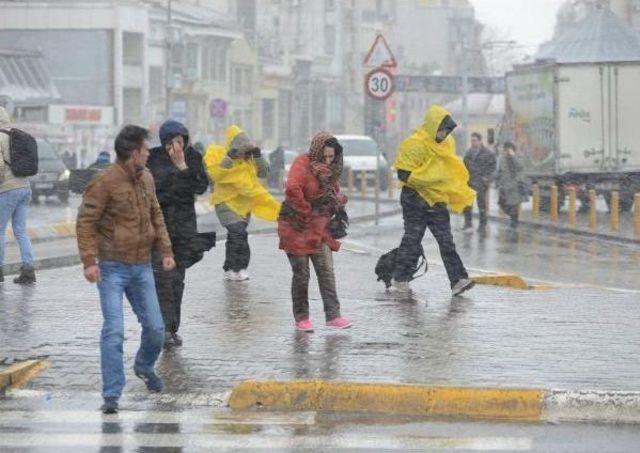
[(304, 326), (339, 323)]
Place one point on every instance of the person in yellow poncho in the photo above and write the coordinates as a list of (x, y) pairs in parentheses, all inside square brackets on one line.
[(237, 194), (434, 180)]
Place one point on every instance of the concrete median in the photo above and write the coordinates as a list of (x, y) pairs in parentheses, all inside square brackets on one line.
[(19, 374), (531, 405)]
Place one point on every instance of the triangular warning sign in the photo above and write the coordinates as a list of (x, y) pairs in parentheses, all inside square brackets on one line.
[(380, 54)]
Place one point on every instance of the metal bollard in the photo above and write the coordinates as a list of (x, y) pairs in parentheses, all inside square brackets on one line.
[(363, 183), (553, 203), (593, 219), (572, 206), (636, 214), (350, 183), (535, 202), (615, 211)]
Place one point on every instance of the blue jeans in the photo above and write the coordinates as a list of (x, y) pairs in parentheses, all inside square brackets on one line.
[(13, 207), (136, 281)]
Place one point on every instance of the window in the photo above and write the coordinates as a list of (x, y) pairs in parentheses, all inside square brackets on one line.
[(268, 118), (242, 80), (214, 61), (132, 48), (156, 83), (329, 5), (132, 105), (329, 39)]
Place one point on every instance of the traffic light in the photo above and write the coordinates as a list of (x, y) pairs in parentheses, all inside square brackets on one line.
[(391, 111)]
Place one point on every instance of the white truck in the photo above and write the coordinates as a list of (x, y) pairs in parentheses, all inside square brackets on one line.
[(577, 125)]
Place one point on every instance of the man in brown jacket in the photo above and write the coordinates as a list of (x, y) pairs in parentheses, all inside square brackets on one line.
[(118, 224)]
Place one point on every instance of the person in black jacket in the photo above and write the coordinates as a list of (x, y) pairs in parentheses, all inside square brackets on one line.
[(179, 176), (481, 164)]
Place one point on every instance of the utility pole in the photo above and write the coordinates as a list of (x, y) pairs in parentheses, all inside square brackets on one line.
[(168, 69)]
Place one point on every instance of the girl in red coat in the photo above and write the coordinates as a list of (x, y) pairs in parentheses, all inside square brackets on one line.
[(313, 197)]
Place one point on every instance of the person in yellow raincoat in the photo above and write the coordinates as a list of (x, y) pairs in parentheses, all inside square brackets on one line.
[(235, 169), (434, 180)]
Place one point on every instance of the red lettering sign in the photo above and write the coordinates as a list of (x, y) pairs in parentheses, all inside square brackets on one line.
[(75, 115)]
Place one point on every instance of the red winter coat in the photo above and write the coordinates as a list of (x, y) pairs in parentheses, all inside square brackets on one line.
[(302, 188)]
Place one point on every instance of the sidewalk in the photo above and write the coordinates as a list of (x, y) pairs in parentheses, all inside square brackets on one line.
[(572, 338), (56, 245)]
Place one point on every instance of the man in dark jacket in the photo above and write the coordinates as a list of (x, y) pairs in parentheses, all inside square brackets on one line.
[(481, 164), (179, 176)]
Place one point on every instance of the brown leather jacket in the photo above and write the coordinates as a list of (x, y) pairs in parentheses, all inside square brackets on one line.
[(120, 219)]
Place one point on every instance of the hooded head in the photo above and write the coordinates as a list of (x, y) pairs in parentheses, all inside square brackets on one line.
[(4, 116), (171, 129), (316, 152), (438, 119), (237, 138), (103, 157)]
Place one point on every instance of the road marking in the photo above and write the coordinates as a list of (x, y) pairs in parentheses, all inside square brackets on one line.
[(263, 442), (184, 399), (159, 417)]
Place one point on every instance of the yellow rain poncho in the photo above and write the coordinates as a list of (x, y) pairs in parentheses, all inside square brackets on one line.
[(437, 173), (238, 187)]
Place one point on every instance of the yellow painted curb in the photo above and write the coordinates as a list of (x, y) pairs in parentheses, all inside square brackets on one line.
[(477, 403), (19, 374), (508, 280)]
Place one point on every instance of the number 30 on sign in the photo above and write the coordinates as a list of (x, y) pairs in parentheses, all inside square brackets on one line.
[(379, 84)]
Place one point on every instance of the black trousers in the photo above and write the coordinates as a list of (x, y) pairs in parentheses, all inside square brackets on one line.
[(170, 289), (237, 251), (418, 216), (481, 201)]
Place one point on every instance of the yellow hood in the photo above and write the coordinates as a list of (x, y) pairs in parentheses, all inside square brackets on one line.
[(437, 173), (238, 186), (232, 132)]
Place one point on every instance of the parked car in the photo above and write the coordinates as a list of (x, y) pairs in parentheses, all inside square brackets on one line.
[(53, 175), (361, 155)]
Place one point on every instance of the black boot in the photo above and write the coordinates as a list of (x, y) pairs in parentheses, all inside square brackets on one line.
[(1, 276), (27, 276)]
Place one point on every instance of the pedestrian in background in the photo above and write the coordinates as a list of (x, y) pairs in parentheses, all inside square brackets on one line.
[(102, 161), (434, 179), (179, 176), (237, 194), (512, 184), (481, 164), (15, 196), (118, 223), (276, 167), (312, 199)]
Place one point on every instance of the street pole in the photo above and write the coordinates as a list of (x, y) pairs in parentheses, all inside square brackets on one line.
[(167, 76), (465, 90)]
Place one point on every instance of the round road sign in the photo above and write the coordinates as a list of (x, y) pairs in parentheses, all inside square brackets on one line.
[(379, 84), (217, 108)]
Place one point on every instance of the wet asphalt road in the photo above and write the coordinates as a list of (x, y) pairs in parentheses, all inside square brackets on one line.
[(577, 335)]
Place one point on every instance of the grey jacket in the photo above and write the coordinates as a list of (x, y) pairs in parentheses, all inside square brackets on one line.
[(7, 180), (511, 181)]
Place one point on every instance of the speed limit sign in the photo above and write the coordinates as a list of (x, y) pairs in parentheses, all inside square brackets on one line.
[(379, 84)]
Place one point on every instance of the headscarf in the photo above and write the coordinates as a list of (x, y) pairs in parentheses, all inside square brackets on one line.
[(328, 175)]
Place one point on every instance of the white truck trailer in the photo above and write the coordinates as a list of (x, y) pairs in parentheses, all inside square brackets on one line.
[(577, 124)]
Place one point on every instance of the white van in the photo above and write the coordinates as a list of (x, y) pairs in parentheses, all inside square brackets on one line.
[(360, 154)]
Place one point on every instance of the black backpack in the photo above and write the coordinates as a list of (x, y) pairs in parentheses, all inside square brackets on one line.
[(387, 263), (23, 152)]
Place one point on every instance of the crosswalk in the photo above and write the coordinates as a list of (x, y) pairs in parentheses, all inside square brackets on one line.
[(35, 421), (201, 430)]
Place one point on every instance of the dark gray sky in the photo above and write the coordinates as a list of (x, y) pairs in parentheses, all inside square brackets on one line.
[(529, 22)]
